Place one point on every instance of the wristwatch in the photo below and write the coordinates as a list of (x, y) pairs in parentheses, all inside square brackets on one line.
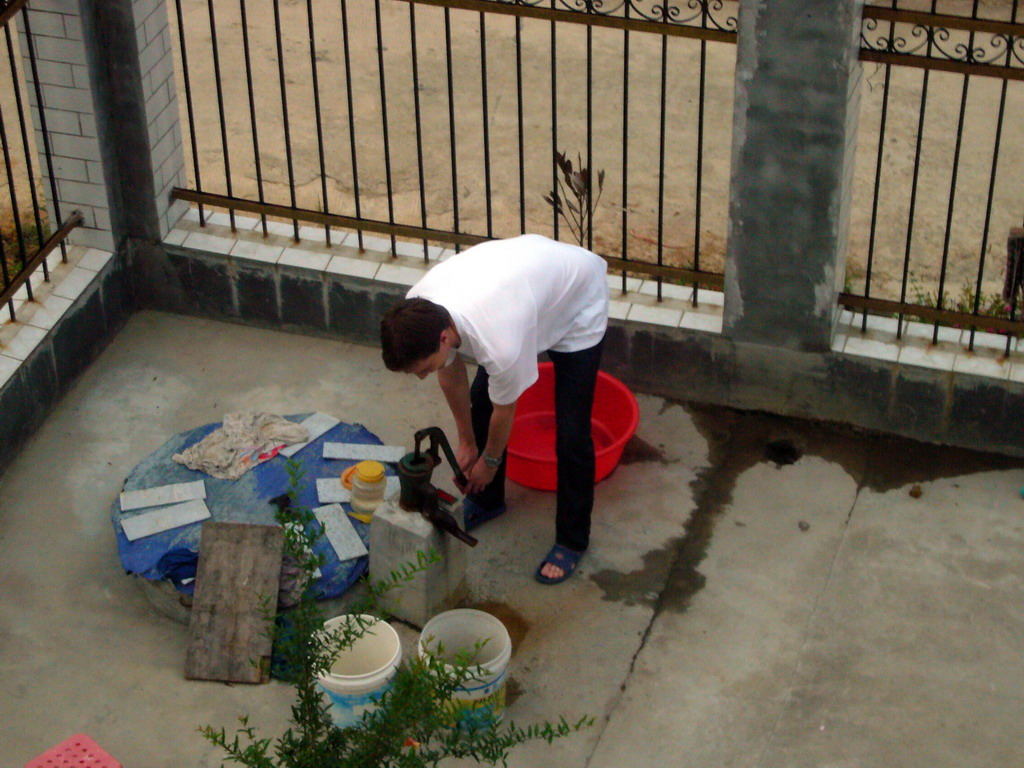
[(491, 461)]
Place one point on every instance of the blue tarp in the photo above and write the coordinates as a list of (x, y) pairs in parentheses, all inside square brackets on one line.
[(244, 500)]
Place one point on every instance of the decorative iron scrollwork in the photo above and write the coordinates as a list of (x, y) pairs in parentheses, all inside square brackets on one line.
[(980, 46), (707, 14)]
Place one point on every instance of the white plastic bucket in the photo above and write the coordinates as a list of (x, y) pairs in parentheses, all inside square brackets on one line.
[(362, 672), (480, 702)]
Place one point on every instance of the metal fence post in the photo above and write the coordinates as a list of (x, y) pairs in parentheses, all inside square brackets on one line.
[(794, 134)]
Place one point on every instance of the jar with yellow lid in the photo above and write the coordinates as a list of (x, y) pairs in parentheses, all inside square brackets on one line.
[(368, 485)]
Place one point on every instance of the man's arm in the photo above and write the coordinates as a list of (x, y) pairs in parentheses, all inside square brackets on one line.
[(498, 431), (454, 383)]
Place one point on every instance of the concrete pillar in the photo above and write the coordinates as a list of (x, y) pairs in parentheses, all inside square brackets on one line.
[(794, 135), (106, 76)]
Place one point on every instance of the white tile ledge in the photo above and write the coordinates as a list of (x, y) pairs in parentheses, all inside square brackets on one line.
[(375, 262), (51, 300)]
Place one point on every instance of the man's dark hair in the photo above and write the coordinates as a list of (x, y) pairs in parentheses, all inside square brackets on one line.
[(410, 331)]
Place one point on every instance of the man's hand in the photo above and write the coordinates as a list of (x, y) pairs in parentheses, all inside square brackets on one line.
[(465, 456), (479, 476)]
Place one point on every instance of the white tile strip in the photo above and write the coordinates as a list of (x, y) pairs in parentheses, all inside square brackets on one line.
[(26, 340), (94, 259), (698, 321), (296, 257), (615, 284), (255, 251), (373, 243), (397, 273), (985, 340), (656, 315), (881, 350), (415, 250), (346, 265), (164, 519), (176, 236), (329, 490), (617, 310), (8, 366), (967, 362), (668, 290), (281, 228), (49, 312), (76, 281), (927, 357), (162, 494), (201, 241), (317, 234), (882, 324), (362, 452), (711, 298), (915, 330), (316, 424), (247, 223), (222, 219), (340, 532), (848, 338)]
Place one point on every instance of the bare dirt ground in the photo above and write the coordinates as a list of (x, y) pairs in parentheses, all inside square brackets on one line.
[(948, 218)]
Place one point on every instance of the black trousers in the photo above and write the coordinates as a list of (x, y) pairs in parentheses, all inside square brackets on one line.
[(575, 378)]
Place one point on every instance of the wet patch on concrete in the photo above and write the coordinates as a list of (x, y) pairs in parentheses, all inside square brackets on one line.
[(513, 690), (638, 450), (782, 452), (514, 622), (739, 440), (639, 587)]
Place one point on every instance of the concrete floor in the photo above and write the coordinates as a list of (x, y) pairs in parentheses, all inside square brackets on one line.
[(732, 611)]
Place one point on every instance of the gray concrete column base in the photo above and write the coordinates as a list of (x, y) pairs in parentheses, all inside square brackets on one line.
[(396, 539)]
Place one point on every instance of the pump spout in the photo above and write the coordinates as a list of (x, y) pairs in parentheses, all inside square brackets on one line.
[(443, 520), (418, 494)]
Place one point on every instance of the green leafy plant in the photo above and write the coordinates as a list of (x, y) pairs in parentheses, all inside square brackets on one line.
[(571, 197), (990, 304), (30, 239), (413, 724)]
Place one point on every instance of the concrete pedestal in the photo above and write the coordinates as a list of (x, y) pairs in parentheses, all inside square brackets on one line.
[(396, 536)]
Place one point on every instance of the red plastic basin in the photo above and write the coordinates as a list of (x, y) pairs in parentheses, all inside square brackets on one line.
[(531, 448)]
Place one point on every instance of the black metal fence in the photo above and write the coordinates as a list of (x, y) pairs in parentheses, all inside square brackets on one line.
[(940, 163), (440, 120), (27, 230)]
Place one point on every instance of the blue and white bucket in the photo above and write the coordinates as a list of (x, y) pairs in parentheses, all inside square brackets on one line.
[(362, 672), (480, 702)]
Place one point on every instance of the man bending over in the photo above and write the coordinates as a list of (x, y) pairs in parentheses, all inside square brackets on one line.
[(500, 304)]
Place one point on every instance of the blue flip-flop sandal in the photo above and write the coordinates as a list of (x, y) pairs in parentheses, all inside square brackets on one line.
[(562, 557), (474, 515)]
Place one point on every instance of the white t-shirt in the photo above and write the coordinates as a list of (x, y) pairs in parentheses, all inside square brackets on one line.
[(512, 299)]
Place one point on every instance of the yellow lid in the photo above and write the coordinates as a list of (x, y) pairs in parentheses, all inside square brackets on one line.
[(370, 471)]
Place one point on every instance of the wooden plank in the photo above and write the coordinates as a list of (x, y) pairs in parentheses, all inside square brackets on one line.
[(239, 566)]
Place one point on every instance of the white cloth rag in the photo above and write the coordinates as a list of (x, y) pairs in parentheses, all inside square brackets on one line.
[(236, 446)]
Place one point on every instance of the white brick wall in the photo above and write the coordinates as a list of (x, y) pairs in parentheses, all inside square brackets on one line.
[(70, 122)]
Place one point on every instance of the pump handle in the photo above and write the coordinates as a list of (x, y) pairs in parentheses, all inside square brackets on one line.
[(437, 438)]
